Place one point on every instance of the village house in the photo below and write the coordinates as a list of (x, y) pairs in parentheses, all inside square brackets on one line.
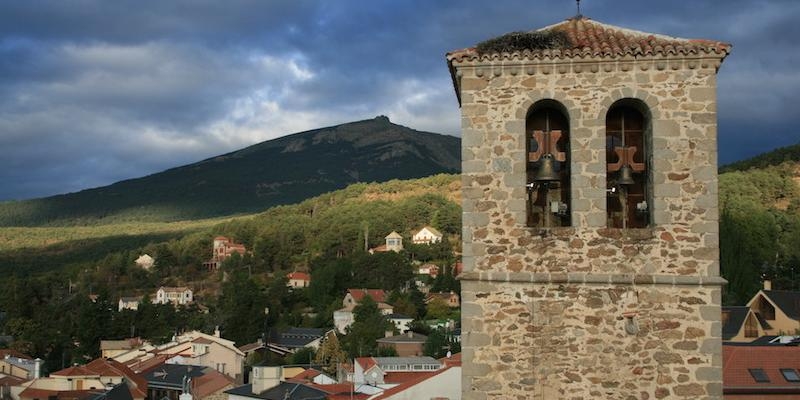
[(112, 348), (426, 235), (298, 279), (769, 312), (452, 299), (294, 339), (190, 348), (429, 269), (408, 344), (400, 321), (128, 303), (98, 377), (173, 295), (169, 381), (343, 317), (761, 371), (268, 383), (223, 248), (379, 371), (394, 242), (19, 365)]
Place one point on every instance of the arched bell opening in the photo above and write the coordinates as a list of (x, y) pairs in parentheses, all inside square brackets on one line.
[(548, 159), (628, 165)]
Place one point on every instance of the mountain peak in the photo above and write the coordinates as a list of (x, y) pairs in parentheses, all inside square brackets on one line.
[(279, 171)]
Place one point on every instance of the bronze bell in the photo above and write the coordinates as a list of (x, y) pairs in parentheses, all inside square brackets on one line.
[(625, 176), (547, 171)]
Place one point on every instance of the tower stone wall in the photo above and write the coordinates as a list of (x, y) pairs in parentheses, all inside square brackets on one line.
[(588, 311)]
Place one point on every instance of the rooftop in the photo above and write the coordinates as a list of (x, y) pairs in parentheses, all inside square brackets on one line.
[(761, 369), (409, 337), (583, 37)]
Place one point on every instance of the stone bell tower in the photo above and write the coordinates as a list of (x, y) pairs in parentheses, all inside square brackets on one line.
[(591, 237)]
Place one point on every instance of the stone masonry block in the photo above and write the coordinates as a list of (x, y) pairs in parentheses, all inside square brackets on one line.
[(703, 94), (704, 118), (710, 313), (664, 128), (709, 374), (474, 167), (471, 138), (516, 126)]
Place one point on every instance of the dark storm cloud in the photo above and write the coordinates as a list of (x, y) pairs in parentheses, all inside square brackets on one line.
[(93, 91)]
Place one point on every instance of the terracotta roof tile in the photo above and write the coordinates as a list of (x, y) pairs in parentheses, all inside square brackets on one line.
[(589, 38), (376, 294), (13, 353), (738, 360), (108, 367), (299, 275), (210, 383), (77, 370)]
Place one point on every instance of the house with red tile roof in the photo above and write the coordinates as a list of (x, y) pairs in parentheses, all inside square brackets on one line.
[(191, 348), (760, 371), (399, 378), (223, 248), (408, 344), (85, 381), (343, 318), (452, 299), (298, 279), (394, 242)]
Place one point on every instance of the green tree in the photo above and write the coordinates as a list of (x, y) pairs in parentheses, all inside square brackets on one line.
[(368, 326), (438, 309), (330, 353), (439, 342), (241, 308)]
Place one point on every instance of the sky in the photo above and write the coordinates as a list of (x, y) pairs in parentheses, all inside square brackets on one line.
[(94, 91)]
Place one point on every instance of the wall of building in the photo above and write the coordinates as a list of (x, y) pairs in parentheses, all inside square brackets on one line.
[(544, 311), (446, 385)]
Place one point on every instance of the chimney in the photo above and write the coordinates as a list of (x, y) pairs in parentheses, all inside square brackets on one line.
[(216, 331), (410, 334), (388, 334), (37, 368), (767, 284), (265, 378)]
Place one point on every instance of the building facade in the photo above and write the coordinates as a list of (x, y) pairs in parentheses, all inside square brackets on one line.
[(590, 225)]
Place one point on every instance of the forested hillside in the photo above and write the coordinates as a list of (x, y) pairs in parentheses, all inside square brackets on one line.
[(44, 297), (760, 223), (281, 171)]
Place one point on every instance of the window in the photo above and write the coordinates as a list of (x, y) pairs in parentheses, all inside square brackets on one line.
[(627, 170), (766, 310), (759, 375), (790, 375), (751, 327), (548, 182)]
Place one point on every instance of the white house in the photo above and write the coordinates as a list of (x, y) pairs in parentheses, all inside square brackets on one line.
[(298, 279), (173, 295), (394, 242), (400, 321), (427, 235), (128, 303), (343, 318)]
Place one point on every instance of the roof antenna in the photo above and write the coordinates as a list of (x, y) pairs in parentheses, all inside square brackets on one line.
[(578, 15)]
